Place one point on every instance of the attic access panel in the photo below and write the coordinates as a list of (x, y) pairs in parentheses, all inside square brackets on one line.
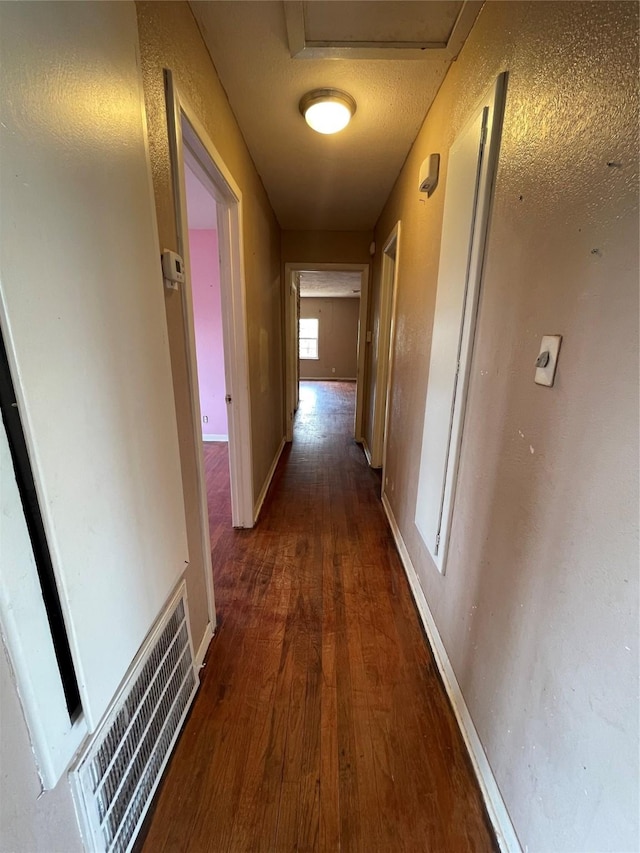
[(379, 29)]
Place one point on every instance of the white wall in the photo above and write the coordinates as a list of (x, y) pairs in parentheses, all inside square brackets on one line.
[(83, 319), (538, 611), (83, 306), (29, 822)]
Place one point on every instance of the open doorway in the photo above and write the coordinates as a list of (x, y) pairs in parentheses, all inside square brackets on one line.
[(204, 263), (326, 318), (192, 148)]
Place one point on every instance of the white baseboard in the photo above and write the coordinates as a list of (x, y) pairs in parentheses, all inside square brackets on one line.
[(496, 808), (267, 482), (204, 645), (215, 438), (367, 451)]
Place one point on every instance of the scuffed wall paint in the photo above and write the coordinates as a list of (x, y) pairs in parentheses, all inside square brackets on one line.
[(169, 38), (539, 607)]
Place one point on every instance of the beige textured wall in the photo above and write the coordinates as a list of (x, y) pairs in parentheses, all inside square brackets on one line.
[(29, 819), (337, 338), (326, 247), (539, 607), (169, 38)]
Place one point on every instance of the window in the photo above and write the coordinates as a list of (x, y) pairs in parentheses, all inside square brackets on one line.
[(308, 338)]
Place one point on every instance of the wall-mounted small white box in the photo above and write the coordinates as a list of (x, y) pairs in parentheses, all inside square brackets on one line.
[(429, 171)]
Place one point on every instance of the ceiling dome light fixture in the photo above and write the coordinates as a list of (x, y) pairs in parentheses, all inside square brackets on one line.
[(327, 110)]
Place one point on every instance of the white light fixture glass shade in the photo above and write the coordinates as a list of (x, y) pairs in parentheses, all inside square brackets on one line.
[(327, 110)]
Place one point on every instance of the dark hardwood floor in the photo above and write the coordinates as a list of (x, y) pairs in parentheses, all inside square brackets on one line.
[(216, 466), (321, 723)]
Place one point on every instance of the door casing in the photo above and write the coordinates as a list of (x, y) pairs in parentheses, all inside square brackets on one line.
[(384, 347), (188, 140)]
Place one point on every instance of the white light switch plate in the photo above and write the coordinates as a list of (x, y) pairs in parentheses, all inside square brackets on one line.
[(546, 375)]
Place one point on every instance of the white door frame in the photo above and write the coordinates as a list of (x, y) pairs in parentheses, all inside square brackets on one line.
[(291, 349), (386, 335), (187, 134), (291, 346)]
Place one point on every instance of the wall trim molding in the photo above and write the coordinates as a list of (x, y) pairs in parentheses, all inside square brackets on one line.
[(203, 647), (215, 437), (367, 453), (267, 482), (495, 805)]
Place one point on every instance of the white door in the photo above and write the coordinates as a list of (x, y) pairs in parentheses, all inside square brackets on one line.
[(470, 175)]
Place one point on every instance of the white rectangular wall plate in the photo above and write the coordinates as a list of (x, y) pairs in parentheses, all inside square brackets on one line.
[(547, 360), (172, 270), (429, 171)]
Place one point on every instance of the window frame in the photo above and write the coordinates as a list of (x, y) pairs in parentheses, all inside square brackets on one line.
[(302, 337)]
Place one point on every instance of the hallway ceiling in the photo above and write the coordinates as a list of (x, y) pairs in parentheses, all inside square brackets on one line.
[(269, 53)]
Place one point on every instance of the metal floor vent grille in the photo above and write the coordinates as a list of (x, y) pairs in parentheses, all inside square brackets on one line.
[(117, 777)]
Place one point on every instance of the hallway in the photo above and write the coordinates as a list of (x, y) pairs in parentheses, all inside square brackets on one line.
[(321, 722)]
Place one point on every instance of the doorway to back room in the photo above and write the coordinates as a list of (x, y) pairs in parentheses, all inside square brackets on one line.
[(329, 316), (326, 330)]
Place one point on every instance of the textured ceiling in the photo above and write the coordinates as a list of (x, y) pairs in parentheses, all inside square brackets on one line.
[(398, 21), (330, 182), (343, 284)]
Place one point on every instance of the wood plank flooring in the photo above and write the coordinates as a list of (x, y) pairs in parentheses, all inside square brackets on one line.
[(321, 723), (216, 468)]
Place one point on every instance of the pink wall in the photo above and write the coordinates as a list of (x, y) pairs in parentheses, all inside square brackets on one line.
[(205, 278)]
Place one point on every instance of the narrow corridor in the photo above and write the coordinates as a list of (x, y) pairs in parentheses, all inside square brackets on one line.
[(321, 722)]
